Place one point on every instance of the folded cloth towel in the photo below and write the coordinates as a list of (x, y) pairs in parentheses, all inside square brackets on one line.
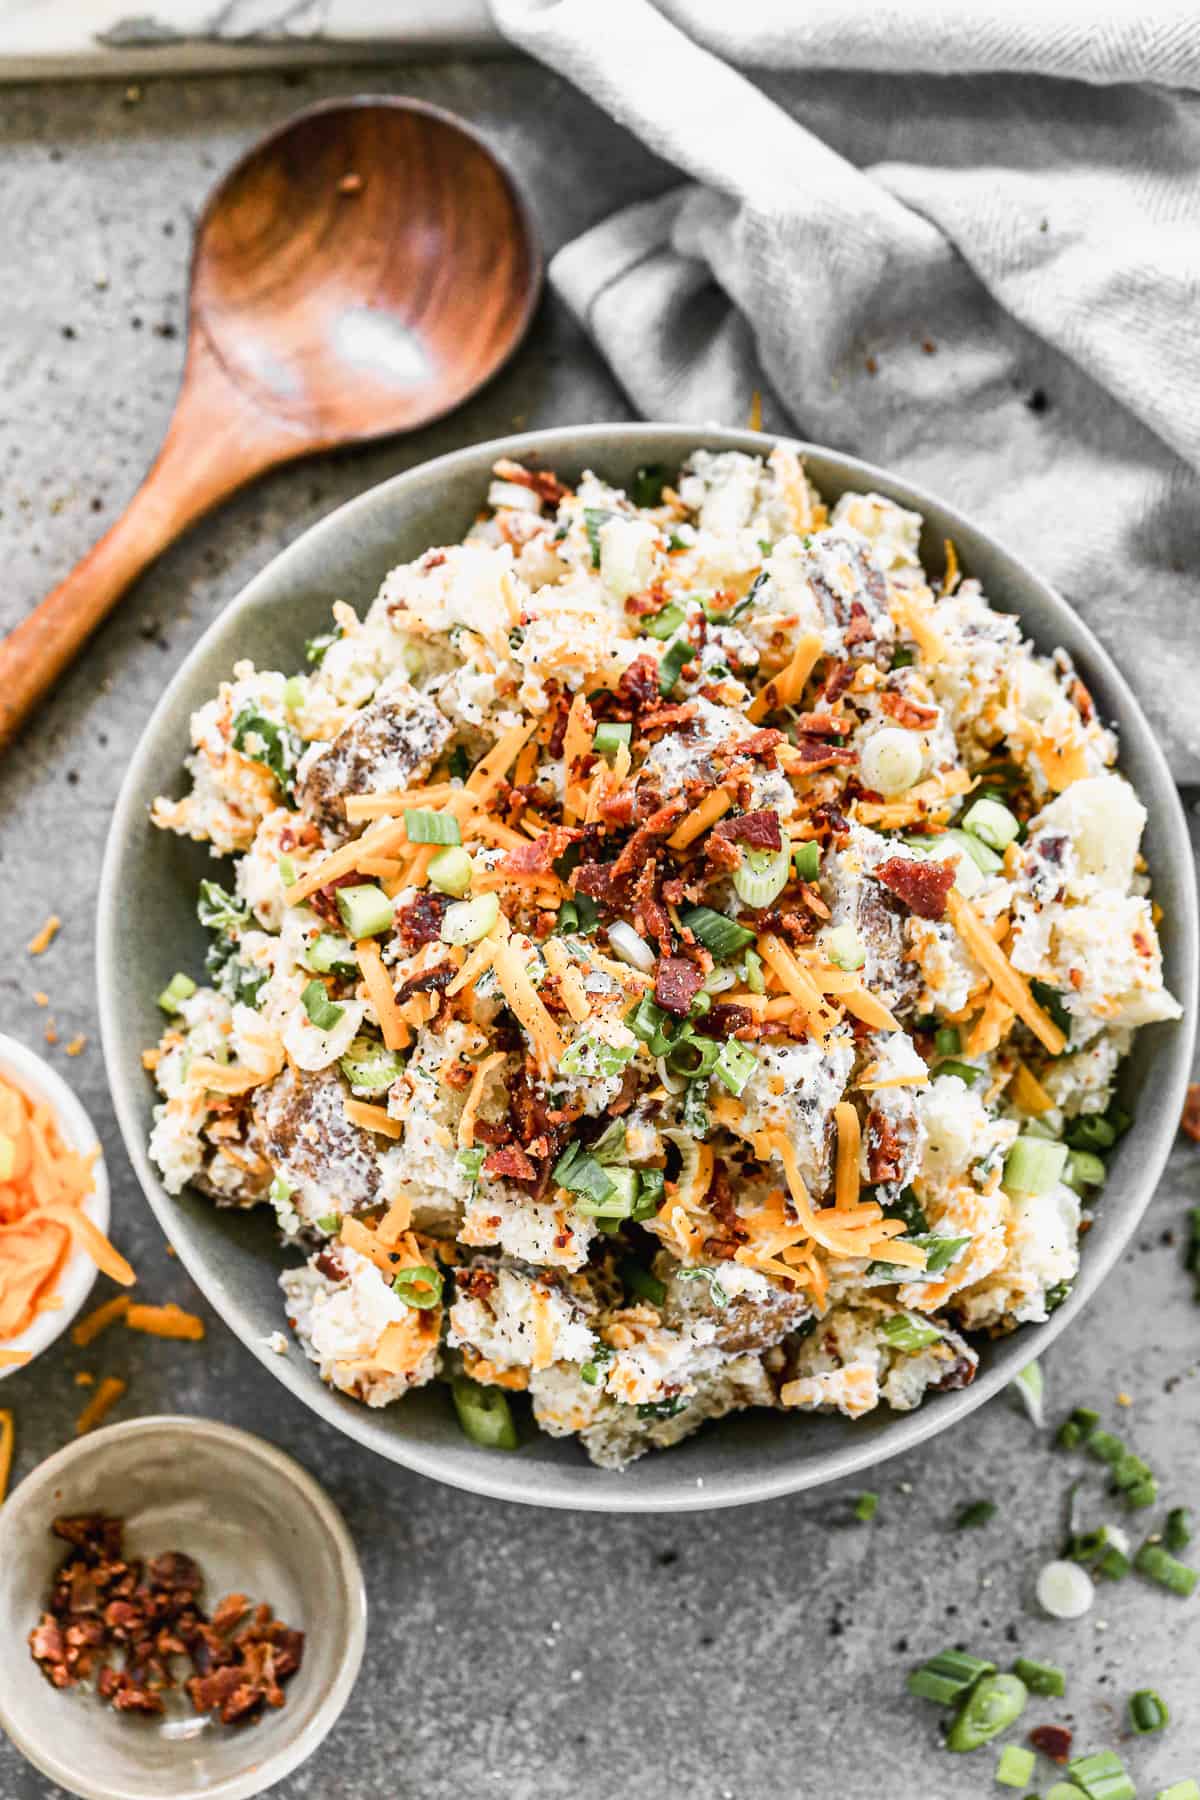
[(957, 240)]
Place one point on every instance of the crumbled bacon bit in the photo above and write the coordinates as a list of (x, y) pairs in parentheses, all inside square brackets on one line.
[(676, 984), (509, 1160), (539, 855), (1053, 1741), (1190, 1122), (885, 1148), (638, 685), (860, 629), (543, 482), (909, 713), (922, 886), (760, 830), (420, 922), (726, 1019)]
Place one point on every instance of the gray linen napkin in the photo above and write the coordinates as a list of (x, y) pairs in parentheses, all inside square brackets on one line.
[(985, 277)]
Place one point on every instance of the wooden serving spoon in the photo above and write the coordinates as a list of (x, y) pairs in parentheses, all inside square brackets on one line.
[(361, 271)]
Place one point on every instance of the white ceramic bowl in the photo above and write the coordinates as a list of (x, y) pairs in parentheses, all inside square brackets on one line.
[(25, 1069), (257, 1524)]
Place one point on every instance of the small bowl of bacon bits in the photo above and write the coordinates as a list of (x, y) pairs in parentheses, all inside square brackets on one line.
[(53, 1207), (184, 1610)]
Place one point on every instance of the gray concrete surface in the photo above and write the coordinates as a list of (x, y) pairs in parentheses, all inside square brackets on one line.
[(757, 1654)]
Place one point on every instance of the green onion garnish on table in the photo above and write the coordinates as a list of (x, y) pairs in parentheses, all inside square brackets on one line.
[(865, 1507), (993, 1704), (426, 827), (1178, 1532), (1044, 1679), (484, 1414), (977, 1513), (1015, 1766), (1102, 1776), (1167, 1570), (1147, 1711), (1075, 1431), (946, 1677)]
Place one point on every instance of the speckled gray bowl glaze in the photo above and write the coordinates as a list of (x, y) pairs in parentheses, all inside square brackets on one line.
[(147, 929), (257, 1524)]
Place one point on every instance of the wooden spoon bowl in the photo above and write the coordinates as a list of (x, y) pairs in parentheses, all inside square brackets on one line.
[(360, 272)]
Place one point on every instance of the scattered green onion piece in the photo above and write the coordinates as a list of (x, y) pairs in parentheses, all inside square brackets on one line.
[(650, 1197), (1114, 1565), (419, 1287), (947, 1676), (1106, 1447), (180, 987), (966, 1072), (293, 692), (752, 972), (469, 920), (451, 871), (678, 654), (1051, 1002), (652, 1024), (693, 1057), (1015, 1766), (1167, 1570), (992, 823), (700, 1005), (471, 1161), (1147, 1711), (977, 1513), (580, 914), (1033, 1166), (329, 954), (906, 1333), (1030, 1384), (484, 1414), (610, 737), (619, 1195), (330, 1223), (903, 657), (276, 747), (367, 1064), (426, 827), (664, 624), (1090, 1131), (1179, 1790), (722, 936), (843, 946), (984, 858), (218, 910), (735, 1065), (1178, 1532), (646, 488), (638, 1280), (582, 1175), (865, 1507), (321, 1010), (287, 871), (990, 1708), (1045, 1679), (365, 911), (1085, 1169), (1102, 1776), (1078, 1428), (947, 1040), (761, 876), (1062, 1790), (1064, 1589), (593, 518), (1129, 1472), (315, 647), (807, 858)]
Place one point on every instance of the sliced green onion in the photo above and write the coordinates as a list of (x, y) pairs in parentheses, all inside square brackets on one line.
[(1167, 1570), (580, 914), (947, 1040), (903, 657), (1114, 1565), (865, 1507), (1179, 1790), (1030, 1384), (469, 920), (590, 1371), (611, 737), (752, 972), (990, 1708), (946, 1677), (593, 518), (890, 761), (287, 871), (761, 875), (807, 858), (330, 1223), (1102, 1776), (1085, 1170), (367, 1064), (1106, 1447), (1052, 1003), (451, 871), (992, 823), (330, 954), (610, 1195), (717, 1293), (420, 1287), (293, 692), (638, 1280), (484, 1414), (1046, 1679), (975, 1514), (1062, 1790), (1033, 1166), (366, 910), (320, 1008), (654, 1026), (1129, 1473), (1076, 1430), (625, 942), (646, 488), (580, 1173), (1090, 1131), (843, 946), (426, 827), (903, 1332), (315, 647), (218, 910), (722, 936), (1064, 1590), (471, 1161), (966, 1072), (276, 747), (1178, 1532), (693, 1057), (651, 1188), (1147, 1711), (678, 654), (664, 624), (735, 1065), (180, 987), (1015, 1766)]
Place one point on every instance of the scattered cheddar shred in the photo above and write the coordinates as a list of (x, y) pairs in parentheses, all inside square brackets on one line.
[(99, 1319), (100, 1404), (169, 1321), (46, 936), (6, 1450)]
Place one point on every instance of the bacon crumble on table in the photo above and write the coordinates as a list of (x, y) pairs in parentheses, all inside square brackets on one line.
[(679, 959)]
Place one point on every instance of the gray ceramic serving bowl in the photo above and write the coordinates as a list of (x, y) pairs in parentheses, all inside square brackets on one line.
[(257, 1524), (147, 929)]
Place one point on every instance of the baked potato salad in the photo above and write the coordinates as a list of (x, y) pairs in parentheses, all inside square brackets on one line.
[(675, 954)]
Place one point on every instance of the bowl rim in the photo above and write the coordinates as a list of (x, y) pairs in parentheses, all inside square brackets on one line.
[(497, 1477), (39, 1485), (37, 1077)]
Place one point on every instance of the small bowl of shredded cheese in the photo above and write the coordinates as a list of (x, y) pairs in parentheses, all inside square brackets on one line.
[(54, 1207)]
